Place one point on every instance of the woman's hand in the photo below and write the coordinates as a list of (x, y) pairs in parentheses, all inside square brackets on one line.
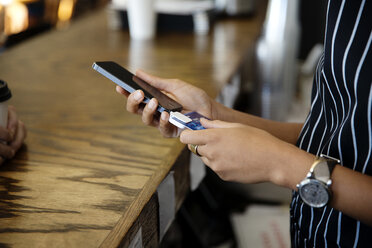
[(12, 136), (243, 153), (189, 96)]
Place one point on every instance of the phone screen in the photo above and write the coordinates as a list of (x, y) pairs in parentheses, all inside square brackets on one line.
[(131, 83)]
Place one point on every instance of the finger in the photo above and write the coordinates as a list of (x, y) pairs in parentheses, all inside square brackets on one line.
[(195, 137), (19, 137), (12, 120), (121, 91), (5, 135), (6, 151), (218, 124), (165, 127), (149, 111), (201, 149), (192, 148), (11, 108), (134, 101), (157, 82), (206, 161), (24, 129)]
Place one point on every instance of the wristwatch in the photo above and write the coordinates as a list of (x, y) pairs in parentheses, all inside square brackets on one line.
[(315, 190)]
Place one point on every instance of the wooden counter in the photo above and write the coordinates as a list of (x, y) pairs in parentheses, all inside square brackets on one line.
[(88, 168)]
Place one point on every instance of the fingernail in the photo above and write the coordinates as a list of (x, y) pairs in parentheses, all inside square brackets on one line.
[(152, 104), (163, 116), (137, 95), (117, 88)]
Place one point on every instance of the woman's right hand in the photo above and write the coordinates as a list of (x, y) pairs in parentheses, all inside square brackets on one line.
[(189, 96), (11, 137)]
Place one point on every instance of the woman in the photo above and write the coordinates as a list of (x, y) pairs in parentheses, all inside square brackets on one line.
[(244, 148)]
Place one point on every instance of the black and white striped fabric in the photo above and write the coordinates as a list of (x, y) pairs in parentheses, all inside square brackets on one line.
[(340, 122)]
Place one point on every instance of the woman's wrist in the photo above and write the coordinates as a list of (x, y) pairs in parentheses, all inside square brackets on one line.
[(291, 166), (221, 112)]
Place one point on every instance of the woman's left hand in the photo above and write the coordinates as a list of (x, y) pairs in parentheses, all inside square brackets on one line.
[(238, 152)]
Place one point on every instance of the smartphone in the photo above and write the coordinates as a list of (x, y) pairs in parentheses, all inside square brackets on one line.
[(189, 120), (131, 83)]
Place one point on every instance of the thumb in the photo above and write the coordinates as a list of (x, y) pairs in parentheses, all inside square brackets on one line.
[(157, 82), (218, 124)]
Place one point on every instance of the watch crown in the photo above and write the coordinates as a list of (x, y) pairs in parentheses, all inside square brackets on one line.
[(329, 182)]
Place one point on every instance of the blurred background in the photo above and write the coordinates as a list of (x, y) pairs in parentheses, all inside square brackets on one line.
[(22, 19)]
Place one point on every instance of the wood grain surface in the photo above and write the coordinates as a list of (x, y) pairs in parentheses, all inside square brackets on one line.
[(88, 168)]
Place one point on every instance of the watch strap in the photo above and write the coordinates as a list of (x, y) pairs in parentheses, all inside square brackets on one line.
[(322, 167)]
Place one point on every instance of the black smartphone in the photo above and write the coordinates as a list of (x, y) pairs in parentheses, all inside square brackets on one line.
[(131, 83)]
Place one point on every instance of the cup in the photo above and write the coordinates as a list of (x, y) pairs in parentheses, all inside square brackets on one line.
[(5, 95), (141, 19)]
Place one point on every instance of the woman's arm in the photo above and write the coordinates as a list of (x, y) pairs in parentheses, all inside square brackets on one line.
[(195, 99), (247, 154), (351, 190), (352, 193), (287, 132)]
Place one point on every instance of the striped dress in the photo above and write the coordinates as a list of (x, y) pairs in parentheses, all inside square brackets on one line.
[(340, 122)]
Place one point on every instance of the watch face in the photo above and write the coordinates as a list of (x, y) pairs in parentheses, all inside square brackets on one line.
[(314, 193)]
